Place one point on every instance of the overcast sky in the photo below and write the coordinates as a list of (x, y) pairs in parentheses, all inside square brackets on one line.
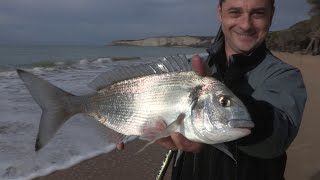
[(101, 21)]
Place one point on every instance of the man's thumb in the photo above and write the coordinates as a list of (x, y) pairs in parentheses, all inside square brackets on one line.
[(199, 67)]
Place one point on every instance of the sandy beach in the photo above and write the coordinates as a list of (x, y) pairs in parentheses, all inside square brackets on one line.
[(303, 155), (117, 165)]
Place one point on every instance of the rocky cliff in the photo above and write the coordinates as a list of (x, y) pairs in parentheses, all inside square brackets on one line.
[(178, 41), (294, 39)]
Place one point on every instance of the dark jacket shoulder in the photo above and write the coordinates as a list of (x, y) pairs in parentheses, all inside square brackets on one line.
[(269, 69)]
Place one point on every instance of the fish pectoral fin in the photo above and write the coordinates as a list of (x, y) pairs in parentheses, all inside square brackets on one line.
[(222, 147), (159, 131), (152, 130)]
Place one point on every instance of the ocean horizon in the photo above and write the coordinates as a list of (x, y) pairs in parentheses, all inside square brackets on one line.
[(54, 55)]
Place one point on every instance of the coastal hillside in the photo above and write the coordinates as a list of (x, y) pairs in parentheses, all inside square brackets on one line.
[(167, 41), (294, 39)]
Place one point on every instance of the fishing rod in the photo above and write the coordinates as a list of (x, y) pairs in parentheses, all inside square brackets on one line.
[(165, 165)]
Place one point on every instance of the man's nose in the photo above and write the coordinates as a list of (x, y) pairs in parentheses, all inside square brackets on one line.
[(246, 22)]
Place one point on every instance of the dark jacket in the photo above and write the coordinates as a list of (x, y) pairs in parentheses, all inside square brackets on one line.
[(275, 96)]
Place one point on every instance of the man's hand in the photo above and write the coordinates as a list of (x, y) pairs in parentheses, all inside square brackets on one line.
[(199, 67), (120, 146), (176, 140)]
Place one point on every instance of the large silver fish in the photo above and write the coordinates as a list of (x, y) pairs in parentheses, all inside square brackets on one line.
[(151, 101)]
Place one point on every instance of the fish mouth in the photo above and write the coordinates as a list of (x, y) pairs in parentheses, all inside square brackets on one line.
[(240, 123)]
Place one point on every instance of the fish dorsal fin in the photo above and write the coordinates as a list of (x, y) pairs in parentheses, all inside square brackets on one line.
[(160, 66)]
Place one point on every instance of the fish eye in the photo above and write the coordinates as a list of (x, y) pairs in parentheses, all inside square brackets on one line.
[(224, 101)]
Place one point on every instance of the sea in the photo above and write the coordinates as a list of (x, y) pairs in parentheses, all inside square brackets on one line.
[(71, 68)]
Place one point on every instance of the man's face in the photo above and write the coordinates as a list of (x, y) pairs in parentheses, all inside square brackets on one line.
[(245, 24)]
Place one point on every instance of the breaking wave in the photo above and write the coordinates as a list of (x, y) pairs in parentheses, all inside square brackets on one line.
[(51, 65)]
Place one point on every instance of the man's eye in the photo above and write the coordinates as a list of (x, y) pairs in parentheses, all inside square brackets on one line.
[(259, 14), (234, 13)]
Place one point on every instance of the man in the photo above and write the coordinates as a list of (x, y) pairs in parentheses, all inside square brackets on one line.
[(273, 92)]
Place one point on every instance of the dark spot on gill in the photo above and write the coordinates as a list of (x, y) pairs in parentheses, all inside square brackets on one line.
[(194, 95)]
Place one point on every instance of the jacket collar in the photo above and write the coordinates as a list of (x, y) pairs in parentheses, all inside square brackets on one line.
[(247, 62)]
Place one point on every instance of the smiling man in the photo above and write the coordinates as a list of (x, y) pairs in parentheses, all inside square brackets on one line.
[(273, 92), (245, 24)]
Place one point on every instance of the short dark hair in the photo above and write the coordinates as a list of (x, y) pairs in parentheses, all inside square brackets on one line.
[(221, 1)]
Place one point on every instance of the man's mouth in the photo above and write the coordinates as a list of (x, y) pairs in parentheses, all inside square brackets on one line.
[(245, 35)]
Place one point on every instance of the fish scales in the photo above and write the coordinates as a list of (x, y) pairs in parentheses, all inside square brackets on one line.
[(129, 106)]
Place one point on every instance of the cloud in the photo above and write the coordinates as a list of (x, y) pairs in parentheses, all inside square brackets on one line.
[(99, 21), (289, 12), (110, 11)]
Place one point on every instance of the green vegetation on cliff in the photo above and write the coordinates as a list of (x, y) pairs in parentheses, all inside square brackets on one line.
[(294, 39)]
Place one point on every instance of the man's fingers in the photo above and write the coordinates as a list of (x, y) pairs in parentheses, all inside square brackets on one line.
[(180, 141), (120, 146), (167, 143), (184, 144), (199, 66)]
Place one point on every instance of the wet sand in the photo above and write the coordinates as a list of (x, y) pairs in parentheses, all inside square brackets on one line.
[(303, 155), (117, 165)]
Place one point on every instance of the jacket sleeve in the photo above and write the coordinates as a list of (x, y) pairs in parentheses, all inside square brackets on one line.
[(276, 107)]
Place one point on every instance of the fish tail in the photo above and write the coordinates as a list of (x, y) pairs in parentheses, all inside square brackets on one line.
[(57, 106)]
